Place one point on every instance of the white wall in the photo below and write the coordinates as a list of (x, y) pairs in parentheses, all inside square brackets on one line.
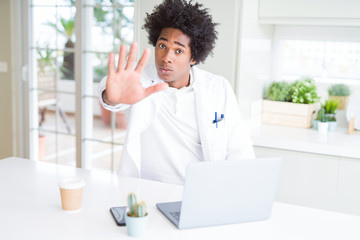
[(255, 49), (6, 86)]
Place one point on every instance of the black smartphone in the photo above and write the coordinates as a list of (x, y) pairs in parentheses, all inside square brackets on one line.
[(119, 215)]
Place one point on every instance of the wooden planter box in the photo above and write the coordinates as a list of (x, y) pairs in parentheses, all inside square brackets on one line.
[(289, 114)]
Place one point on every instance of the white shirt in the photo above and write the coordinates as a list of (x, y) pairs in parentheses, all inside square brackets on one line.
[(172, 141), (212, 94)]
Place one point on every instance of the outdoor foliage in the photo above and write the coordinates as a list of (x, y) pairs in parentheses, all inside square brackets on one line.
[(46, 60), (67, 29), (111, 20)]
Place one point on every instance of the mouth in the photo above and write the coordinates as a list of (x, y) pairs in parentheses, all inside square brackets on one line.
[(165, 69)]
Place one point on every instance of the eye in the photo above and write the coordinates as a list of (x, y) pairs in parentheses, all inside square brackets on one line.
[(179, 51), (161, 45)]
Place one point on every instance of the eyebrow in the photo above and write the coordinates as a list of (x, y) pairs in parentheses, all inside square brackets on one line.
[(178, 43)]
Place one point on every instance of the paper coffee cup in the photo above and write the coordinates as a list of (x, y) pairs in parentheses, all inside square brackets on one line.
[(71, 190)]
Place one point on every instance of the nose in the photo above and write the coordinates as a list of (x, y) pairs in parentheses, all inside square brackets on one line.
[(167, 57)]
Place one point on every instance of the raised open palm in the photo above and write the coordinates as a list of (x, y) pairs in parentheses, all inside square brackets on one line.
[(123, 85)]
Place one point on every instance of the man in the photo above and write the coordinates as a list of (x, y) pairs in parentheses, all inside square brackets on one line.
[(177, 114)]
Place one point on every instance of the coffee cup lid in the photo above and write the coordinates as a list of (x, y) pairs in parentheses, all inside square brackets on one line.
[(72, 183)]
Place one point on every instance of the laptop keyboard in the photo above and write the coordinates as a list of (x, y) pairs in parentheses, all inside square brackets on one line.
[(176, 215)]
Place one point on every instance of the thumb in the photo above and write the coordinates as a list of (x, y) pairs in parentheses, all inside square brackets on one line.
[(155, 88)]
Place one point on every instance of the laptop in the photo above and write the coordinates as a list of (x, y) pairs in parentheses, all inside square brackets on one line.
[(225, 192)]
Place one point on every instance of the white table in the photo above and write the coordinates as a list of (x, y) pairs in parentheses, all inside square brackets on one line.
[(30, 208)]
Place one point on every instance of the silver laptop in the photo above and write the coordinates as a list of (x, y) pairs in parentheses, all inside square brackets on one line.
[(225, 192)]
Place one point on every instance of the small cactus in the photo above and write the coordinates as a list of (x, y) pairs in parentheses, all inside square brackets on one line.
[(136, 209), (141, 209), (132, 204), (321, 115)]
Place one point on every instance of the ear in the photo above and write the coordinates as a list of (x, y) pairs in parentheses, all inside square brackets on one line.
[(192, 62)]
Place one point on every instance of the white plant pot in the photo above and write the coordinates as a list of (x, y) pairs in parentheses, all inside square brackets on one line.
[(136, 226), (323, 127)]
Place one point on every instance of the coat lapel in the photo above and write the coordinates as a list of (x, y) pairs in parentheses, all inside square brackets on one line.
[(205, 108)]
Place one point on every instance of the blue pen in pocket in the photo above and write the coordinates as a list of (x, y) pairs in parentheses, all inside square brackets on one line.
[(222, 119), (216, 121)]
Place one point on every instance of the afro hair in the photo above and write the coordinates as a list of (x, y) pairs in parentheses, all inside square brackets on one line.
[(190, 19)]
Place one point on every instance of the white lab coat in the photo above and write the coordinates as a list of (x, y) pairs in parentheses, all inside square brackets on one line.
[(231, 140)]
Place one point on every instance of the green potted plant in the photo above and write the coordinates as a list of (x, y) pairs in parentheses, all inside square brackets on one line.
[(330, 108), (339, 92), (323, 125), (304, 91), (279, 91), (292, 104), (136, 218)]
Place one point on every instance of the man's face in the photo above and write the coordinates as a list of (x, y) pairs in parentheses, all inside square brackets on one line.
[(173, 57)]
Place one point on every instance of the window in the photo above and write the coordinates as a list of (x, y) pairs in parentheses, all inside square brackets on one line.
[(328, 54), (321, 59), (69, 45)]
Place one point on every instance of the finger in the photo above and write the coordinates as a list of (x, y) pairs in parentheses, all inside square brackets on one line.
[(111, 67), (122, 57), (132, 56), (143, 60), (156, 88)]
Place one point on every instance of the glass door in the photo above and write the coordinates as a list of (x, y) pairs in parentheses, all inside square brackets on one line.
[(69, 44)]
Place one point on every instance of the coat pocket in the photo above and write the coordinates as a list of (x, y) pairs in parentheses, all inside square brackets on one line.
[(219, 142)]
